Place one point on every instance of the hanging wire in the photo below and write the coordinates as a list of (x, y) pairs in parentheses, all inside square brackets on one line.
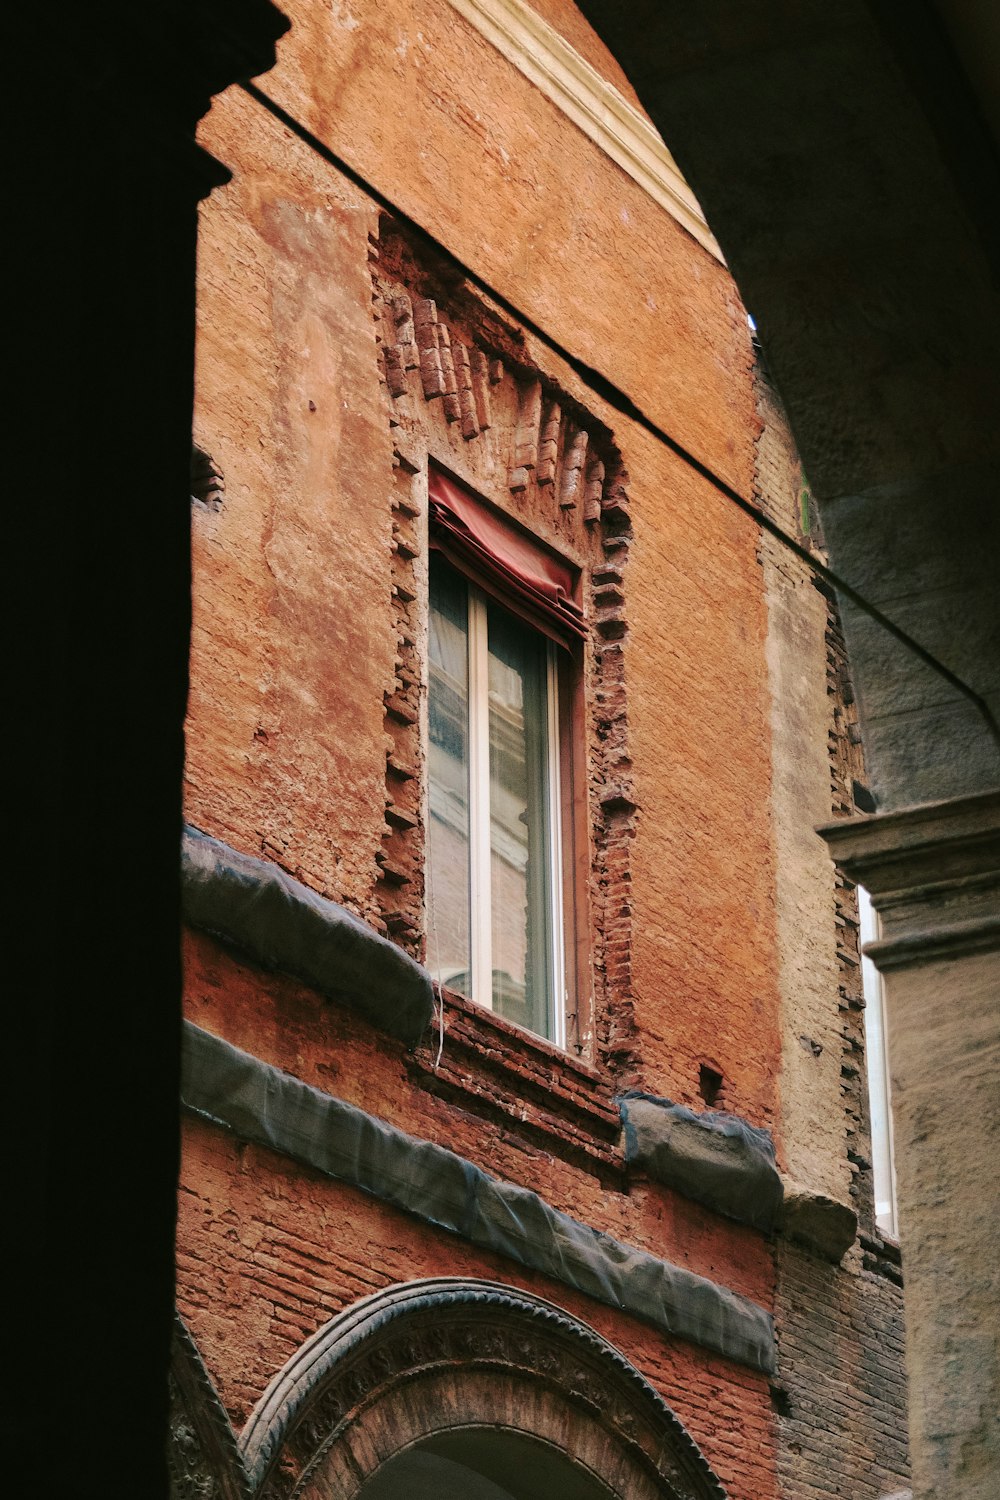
[(616, 398)]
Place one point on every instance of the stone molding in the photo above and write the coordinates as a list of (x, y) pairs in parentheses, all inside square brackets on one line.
[(595, 106), (818, 1222), (202, 1457), (715, 1158), (418, 1358), (934, 876), (259, 1103), (283, 925)]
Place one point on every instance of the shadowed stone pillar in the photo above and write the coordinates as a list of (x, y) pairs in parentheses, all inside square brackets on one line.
[(934, 875), (104, 354)]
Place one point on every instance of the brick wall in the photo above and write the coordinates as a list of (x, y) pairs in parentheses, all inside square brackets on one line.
[(290, 1249), (337, 357), (839, 1393)]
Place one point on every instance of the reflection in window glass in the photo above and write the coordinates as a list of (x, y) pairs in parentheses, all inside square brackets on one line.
[(519, 821), (494, 931), (449, 949)]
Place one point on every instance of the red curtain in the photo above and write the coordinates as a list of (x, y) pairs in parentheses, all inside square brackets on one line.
[(493, 552)]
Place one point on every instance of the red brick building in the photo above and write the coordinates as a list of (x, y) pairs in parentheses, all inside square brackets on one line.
[(526, 1137)]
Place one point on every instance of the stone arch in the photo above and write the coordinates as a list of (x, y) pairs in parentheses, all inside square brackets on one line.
[(441, 1367)]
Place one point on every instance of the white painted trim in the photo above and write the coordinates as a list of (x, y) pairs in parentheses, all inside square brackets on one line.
[(877, 1061), (554, 852), (480, 899), (593, 104)]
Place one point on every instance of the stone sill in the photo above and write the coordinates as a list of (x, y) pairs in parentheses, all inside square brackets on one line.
[(497, 1070)]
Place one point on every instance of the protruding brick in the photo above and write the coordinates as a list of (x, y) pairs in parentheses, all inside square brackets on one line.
[(548, 447), (481, 388), (573, 461)]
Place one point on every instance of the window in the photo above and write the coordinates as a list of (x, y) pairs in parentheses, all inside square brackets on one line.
[(877, 1058), (498, 768)]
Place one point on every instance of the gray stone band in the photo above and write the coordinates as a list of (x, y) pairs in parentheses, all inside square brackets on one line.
[(720, 1160), (283, 925), (715, 1158), (260, 1103)]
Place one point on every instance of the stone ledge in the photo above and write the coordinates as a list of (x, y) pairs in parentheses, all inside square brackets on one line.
[(259, 1103), (821, 1224), (283, 925), (715, 1158), (720, 1160), (933, 872)]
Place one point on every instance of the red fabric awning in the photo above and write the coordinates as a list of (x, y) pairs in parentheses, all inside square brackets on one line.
[(504, 561)]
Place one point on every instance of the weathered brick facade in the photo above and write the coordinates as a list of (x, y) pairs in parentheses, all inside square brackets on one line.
[(340, 358)]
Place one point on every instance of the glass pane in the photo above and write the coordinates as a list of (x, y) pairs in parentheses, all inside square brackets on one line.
[(519, 822), (448, 940)]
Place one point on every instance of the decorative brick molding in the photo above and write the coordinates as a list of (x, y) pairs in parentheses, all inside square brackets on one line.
[(400, 890), (462, 391), (418, 1360), (499, 1072)]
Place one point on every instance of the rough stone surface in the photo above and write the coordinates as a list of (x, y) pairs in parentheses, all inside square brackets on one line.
[(826, 1226), (803, 703), (934, 874)]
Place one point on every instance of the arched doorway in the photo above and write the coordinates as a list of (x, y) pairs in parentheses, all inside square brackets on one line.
[(483, 1463)]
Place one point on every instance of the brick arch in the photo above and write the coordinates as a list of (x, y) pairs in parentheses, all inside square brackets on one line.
[(452, 1355)]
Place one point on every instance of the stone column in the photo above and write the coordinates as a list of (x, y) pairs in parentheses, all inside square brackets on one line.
[(934, 875)]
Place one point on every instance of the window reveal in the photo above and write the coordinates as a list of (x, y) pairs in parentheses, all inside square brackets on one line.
[(494, 878)]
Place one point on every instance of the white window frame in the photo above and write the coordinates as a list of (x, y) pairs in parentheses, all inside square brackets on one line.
[(480, 883), (877, 1067)]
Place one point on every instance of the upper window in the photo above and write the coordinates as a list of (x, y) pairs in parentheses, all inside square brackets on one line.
[(499, 762)]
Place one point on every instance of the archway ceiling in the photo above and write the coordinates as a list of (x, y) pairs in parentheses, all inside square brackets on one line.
[(845, 169)]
